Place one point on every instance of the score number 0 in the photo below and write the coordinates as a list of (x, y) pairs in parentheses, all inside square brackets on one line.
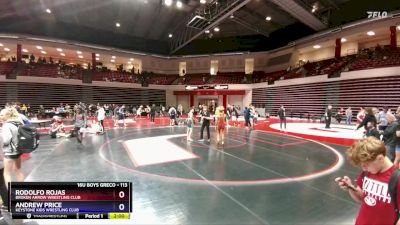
[(121, 206)]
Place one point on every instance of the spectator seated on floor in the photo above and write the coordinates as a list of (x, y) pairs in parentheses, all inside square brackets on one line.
[(57, 128), (94, 128)]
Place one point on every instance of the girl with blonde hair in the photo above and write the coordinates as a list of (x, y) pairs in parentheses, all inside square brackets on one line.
[(220, 117), (12, 159)]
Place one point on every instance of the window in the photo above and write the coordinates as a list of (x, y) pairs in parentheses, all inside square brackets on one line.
[(182, 68), (214, 67), (249, 66)]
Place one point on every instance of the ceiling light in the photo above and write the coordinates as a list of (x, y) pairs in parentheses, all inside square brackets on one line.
[(80, 56), (59, 50), (43, 52), (168, 2), (112, 60), (170, 35), (317, 46), (48, 11), (268, 18), (117, 24), (6, 49), (113, 57), (97, 54), (131, 59), (1, 45), (216, 29), (398, 28), (343, 40), (62, 54), (79, 52), (179, 4), (371, 33), (313, 10), (231, 16), (39, 47), (25, 50), (97, 59), (203, 1), (129, 62), (207, 31)]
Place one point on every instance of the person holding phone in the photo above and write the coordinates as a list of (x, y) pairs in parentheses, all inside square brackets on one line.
[(371, 190)]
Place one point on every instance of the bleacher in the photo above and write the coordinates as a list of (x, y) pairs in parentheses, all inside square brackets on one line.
[(161, 79), (41, 70), (196, 79), (385, 57), (311, 99), (7, 67), (113, 76), (227, 78), (365, 59)]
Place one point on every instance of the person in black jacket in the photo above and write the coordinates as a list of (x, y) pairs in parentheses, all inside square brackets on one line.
[(370, 117), (372, 131), (152, 113), (328, 116), (205, 123), (282, 116)]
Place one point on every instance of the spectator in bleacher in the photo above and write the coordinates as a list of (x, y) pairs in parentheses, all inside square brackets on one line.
[(369, 117), (31, 58), (282, 116), (328, 116), (349, 115)]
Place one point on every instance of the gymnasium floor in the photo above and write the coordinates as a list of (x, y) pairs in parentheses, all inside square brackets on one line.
[(260, 176)]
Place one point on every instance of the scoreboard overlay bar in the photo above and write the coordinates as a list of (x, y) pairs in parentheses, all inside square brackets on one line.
[(70, 200)]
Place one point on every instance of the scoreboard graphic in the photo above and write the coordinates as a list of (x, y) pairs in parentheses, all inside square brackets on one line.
[(70, 200)]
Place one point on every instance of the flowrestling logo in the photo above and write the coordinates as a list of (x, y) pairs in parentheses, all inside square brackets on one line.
[(377, 14)]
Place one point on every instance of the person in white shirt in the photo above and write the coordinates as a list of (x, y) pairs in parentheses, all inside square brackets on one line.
[(101, 114)]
